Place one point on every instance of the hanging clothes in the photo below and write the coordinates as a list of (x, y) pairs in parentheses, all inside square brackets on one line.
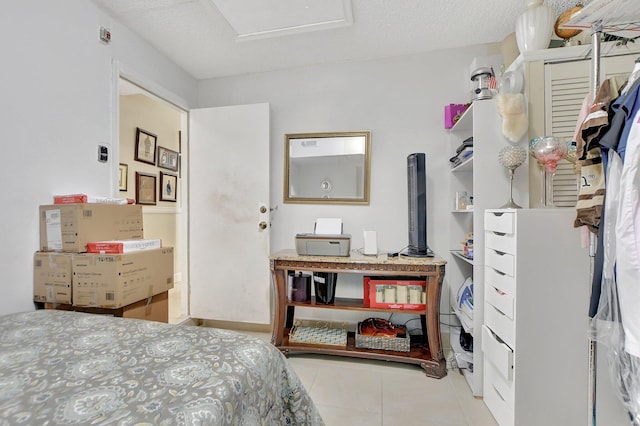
[(593, 163), (607, 136), (616, 323), (623, 108), (628, 237), (592, 182), (623, 137), (591, 193)]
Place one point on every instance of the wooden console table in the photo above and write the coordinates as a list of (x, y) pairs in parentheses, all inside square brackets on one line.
[(426, 353)]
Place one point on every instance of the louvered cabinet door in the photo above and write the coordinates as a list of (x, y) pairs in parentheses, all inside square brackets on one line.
[(566, 86)]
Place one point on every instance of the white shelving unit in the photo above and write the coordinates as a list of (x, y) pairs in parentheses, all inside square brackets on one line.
[(487, 181)]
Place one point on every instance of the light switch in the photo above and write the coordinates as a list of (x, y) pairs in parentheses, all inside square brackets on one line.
[(103, 153)]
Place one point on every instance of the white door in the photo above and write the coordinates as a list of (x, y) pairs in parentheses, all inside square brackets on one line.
[(229, 214)]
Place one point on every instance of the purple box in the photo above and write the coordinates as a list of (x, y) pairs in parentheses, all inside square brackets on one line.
[(452, 113)]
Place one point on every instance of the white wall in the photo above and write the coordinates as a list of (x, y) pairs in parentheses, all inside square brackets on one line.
[(57, 104), (401, 100)]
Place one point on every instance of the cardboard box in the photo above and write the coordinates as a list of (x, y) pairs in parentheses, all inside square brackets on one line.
[(52, 277), (395, 293), (154, 309), (69, 227), (116, 280)]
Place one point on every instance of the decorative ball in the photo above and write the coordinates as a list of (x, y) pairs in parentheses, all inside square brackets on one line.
[(512, 156)]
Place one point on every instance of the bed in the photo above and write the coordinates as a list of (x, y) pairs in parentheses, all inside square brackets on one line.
[(70, 368)]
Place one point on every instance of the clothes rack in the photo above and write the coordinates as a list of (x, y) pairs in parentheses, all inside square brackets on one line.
[(622, 18)]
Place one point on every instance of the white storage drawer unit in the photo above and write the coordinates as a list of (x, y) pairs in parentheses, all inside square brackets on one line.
[(501, 262), (534, 337)]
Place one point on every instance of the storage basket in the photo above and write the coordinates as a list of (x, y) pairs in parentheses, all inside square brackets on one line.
[(399, 344), (319, 333)]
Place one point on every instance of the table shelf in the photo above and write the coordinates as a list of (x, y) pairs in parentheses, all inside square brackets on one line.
[(426, 352)]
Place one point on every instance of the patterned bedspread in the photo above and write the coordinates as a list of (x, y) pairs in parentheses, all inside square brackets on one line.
[(70, 368)]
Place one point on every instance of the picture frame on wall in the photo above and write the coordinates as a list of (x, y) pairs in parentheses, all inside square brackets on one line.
[(168, 159), (145, 151), (168, 187), (145, 189), (123, 176)]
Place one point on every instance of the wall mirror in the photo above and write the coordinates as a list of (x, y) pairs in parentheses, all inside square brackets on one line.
[(327, 167)]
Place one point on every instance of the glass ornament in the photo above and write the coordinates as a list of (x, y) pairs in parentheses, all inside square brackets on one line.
[(548, 151), (512, 157)]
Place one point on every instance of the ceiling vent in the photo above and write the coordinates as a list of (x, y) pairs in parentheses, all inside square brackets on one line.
[(255, 19)]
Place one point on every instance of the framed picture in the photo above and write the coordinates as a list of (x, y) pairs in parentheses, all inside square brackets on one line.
[(145, 189), (168, 159), (145, 146), (122, 177), (168, 187)]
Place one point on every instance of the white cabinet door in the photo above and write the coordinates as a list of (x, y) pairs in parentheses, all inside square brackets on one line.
[(228, 206)]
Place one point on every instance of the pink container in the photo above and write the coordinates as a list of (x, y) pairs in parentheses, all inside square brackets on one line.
[(452, 113)]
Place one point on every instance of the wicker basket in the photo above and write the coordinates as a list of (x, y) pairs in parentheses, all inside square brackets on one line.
[(318, 333), (399, 344)]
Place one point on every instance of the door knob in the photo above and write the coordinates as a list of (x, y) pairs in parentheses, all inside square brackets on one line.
[(262, 225)]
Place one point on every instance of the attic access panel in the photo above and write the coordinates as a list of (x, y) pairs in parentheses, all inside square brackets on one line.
[(251, 19)]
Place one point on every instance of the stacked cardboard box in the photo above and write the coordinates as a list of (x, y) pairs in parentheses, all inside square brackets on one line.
[(155, 308), (52, 277), (64, 274), (69, 227), (115, 280)]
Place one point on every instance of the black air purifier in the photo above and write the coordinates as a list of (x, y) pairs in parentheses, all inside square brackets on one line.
[(417, 203)]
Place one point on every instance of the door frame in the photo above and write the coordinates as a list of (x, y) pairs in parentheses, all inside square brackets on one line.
[(160, 94)]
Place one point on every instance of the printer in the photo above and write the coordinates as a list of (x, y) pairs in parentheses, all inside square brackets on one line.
[(323, 245), (326, 240)]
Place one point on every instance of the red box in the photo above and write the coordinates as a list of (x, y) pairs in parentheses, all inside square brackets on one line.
[(452, 113), (396, 293), (86, 199), (123, 246)]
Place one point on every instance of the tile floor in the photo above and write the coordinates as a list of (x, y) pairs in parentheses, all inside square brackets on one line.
[(352, 392), (377, 393)]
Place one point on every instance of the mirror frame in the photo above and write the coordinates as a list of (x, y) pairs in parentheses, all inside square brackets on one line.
[(309, 200)]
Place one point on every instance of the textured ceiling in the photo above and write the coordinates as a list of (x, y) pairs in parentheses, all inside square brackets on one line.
[(194, 34)]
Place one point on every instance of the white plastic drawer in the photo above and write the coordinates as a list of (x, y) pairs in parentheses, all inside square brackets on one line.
[(498, 395), (500, 280), (500, 261), (505, 243), (500, 324), (499, 299), (499, 222), (499, 354)]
